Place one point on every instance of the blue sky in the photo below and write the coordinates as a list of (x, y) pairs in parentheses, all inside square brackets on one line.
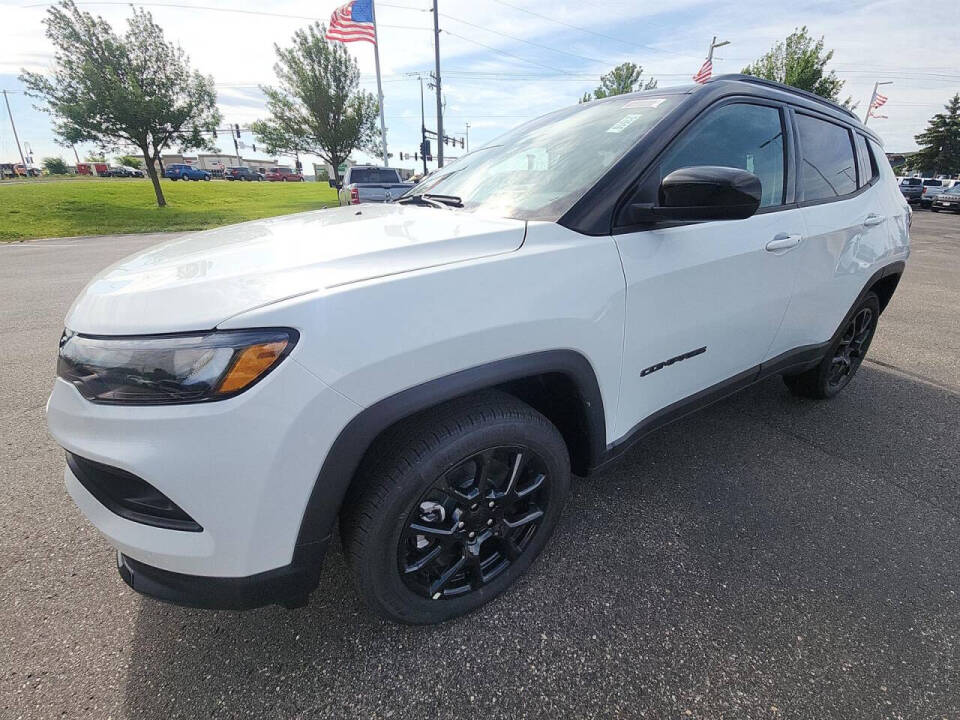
[(505, 61)]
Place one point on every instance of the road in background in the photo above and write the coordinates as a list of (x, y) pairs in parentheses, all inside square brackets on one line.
[(768, 557)]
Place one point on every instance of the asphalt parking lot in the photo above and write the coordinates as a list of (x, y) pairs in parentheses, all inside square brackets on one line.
[(769, 557)]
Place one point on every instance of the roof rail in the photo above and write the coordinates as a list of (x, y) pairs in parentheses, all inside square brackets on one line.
[(786, 88)]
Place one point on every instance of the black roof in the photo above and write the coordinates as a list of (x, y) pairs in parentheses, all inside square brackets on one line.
[(738, 77)]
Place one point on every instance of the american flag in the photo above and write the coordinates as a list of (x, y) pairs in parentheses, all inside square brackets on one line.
[(353, 22), (878, 101), (704, 73)]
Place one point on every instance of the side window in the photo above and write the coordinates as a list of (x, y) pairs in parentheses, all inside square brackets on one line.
[(748, 137), (866, 165), (828, 167)]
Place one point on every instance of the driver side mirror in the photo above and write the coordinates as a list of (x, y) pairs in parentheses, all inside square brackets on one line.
[(704, 192)]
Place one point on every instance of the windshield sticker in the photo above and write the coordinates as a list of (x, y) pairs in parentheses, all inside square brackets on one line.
[(624, 122), (645, 103)]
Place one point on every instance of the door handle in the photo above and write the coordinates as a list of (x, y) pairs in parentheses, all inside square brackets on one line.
[(783, 241), (873, 219)]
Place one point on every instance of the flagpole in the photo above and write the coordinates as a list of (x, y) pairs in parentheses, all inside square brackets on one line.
[(873, 97), (376, 59)]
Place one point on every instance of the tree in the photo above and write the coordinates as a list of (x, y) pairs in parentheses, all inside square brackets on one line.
[(55, 166), (318, 107), (130, 161), (800, 61), (624, 78), (133, 89), (939, 144), (94, 157)]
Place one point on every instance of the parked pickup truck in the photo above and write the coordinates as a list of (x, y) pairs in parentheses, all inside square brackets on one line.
[(368, 183)]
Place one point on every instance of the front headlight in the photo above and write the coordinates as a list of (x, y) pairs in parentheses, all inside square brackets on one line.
[(166, 369)]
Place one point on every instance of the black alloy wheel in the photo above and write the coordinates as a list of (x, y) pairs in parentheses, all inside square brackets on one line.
[(853, 346), (843, 359), (452, 506), (473, 522)]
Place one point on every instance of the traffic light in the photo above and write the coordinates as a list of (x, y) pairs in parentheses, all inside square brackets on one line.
[(254, 147), (214, 133), (425, 148), (236, 127)]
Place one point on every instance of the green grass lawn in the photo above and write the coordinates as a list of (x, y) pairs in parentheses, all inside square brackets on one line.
[(94, 206)]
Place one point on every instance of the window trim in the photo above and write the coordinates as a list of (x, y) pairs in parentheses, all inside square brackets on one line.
[(795, 110), (871, 161), (789, 159)]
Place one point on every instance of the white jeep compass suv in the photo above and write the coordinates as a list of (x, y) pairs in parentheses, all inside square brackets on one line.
[(428, 373)]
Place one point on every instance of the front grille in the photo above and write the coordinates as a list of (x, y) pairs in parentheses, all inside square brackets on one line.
[(130, 497)]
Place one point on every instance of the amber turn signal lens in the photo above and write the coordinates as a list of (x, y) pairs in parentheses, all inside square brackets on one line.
[(253, 362)]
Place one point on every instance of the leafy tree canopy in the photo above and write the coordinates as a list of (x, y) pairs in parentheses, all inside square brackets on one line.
[(801, 62), (122, 90), (624, 78), (55, 166), (130, 161), (318, 107), (939, 151)]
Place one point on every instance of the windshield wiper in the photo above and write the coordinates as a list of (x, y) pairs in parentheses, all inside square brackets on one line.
[(419, 200), (432, 200), (451, 200)]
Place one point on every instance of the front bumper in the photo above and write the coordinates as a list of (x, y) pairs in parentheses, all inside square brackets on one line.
[(243, 468), (289, 586)]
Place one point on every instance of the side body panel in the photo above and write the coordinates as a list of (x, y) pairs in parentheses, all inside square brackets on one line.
[(845, 243), (708, 285), (373, 339)]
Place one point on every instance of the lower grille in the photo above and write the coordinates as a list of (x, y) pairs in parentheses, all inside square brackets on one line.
[(130, 497)]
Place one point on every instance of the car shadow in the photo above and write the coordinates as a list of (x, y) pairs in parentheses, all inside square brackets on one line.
[(768, 555)]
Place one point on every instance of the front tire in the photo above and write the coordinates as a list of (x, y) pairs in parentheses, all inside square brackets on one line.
[(844, 357), (453, 506)]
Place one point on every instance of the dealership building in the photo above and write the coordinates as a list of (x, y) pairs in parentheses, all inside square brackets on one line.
[(218, 162)]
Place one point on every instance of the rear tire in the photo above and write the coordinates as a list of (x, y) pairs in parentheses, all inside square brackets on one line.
[(452, 506), (844, 356)]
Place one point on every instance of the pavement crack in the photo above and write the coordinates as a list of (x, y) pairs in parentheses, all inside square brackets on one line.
[(916, 376), (923, 499)]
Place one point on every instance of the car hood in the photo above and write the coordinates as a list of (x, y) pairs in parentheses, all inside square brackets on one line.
[(198, 281)]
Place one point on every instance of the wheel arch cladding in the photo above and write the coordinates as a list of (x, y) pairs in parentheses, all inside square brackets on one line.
[(560, 384), (885, 287)]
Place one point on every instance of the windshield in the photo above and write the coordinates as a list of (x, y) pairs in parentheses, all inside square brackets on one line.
[(540, 169), (372, 175), (955, 190)]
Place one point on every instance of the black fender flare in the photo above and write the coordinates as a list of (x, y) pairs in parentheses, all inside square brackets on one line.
[(347, 451)]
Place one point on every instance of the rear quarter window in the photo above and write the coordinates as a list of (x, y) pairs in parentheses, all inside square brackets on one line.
[(866, 164)]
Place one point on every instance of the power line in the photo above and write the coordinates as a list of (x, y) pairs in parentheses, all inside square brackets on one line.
[(518, 39), (503, 52), (237, 11), (591, 32)]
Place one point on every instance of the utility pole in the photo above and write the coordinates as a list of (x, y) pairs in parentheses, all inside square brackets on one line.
[(873, 96), (20, 149), (376, 60), (467, 137), (423, 128), (436, 55), (713, 46)]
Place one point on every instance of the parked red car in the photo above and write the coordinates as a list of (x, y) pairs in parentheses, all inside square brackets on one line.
[(283, 174)]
